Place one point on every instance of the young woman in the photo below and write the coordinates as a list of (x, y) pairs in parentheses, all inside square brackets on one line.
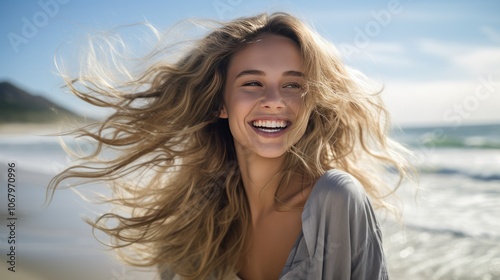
[(251, 157)]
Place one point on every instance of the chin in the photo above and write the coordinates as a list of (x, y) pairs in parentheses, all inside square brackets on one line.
[(272, 153)]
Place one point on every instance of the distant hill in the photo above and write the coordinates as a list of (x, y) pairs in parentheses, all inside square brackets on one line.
[(19, 106)]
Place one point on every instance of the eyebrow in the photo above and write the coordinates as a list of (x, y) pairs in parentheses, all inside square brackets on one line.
[(261, 73)]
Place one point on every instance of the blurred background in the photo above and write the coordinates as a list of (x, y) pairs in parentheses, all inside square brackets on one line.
[(439, 62)]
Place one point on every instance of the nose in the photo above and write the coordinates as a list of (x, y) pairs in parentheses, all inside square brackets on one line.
[(272, 99)]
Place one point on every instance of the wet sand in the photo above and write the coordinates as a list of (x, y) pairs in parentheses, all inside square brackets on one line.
[(29, 128), (54, 242)]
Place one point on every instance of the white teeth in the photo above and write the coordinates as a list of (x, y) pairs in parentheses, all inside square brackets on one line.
[(269, 124)]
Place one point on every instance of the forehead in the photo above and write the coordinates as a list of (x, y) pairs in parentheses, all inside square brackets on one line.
[(268, 51)]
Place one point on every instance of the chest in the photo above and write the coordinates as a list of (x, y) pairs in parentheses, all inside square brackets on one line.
[(268, 245)]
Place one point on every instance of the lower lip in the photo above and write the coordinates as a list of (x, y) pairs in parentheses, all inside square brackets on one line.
[(269, 134)]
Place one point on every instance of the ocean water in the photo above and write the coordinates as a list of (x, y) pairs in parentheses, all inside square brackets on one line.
[(450, 230), (452, 226), (52, 243)]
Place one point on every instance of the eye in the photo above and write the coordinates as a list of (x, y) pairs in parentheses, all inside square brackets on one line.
[(293, 86), (252, 84)]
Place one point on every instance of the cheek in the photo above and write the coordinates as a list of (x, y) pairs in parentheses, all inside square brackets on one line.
[(240, 104), (302, 114), (296, 105)]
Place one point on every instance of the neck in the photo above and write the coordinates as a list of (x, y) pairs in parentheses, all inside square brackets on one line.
[(260, 182)]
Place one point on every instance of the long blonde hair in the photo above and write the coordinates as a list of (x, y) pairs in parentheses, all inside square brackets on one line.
[(174, 167)]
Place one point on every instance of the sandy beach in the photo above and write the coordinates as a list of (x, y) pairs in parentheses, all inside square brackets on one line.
[(33, 128), (54, 242)]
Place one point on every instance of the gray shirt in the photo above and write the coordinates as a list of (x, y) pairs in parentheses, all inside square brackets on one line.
[(340, 237)]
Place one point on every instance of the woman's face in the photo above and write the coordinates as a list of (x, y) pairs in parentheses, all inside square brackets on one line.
[(263, 96)]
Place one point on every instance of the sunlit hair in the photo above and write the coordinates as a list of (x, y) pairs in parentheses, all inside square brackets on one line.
[(173, 164)]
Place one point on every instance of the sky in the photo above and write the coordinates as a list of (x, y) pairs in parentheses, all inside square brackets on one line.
[(439, 61)]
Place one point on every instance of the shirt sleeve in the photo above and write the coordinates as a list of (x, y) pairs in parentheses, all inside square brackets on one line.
[(341, 233), (369, 261)]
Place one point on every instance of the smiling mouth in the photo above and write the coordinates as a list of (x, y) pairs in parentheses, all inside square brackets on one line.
[(269, 126)]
